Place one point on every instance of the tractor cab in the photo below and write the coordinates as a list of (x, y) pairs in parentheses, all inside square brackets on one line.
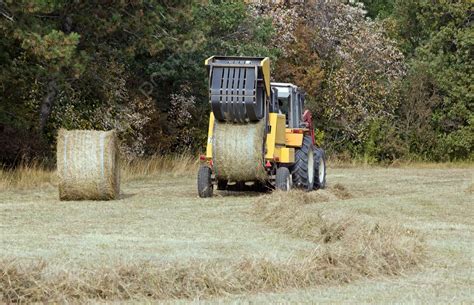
[(288, 99)]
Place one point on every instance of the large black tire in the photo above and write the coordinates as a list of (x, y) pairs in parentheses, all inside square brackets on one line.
[(319, 169), (303, 169), (283, 180), (204, 183)]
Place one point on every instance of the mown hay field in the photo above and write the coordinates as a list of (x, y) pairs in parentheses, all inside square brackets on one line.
[(375, 235)]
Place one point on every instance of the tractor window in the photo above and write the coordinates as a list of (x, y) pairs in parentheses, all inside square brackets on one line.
[(284, 100), (283, 105), (283, 108)]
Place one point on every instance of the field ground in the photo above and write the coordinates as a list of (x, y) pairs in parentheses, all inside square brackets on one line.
[(160, 220)]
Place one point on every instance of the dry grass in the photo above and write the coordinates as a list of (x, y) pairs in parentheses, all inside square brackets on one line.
[(196, 280), (36, 174), (346, 248), (27, 176), (170, 165), (34, 283), (355, 242), (345, 161), (160, 241), (340, 191)]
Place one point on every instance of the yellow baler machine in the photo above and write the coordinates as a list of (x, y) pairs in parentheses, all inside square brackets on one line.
[(243, 99)]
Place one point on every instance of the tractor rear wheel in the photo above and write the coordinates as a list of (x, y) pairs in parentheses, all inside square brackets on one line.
[(283, 179), (204, 183), (319, 169), (303, 169)]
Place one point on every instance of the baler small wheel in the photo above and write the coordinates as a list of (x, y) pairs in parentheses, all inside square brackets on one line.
[(319, 169), (283, 179), (204, 183)]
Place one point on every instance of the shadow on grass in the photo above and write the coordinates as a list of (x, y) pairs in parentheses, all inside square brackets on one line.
[(238, 194), (126, 196)]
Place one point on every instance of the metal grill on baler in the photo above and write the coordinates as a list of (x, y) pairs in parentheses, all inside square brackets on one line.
[(237, 92)]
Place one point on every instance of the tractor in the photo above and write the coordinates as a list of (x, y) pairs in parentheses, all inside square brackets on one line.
[(273, 143)]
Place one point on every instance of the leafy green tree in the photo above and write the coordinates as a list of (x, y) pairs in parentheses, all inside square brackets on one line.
[(36, 57), (350, 71), (438, 39), (114, 64), (378, 8), (213, 28), (79, 64)]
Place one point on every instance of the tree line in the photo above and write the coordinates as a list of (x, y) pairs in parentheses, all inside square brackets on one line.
[(384, 79)]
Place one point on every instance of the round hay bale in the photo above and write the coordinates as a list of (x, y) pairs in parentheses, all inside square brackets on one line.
[(88, 165), (238, 151)]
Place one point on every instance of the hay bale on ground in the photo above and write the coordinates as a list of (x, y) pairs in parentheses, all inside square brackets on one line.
[(88, 165)]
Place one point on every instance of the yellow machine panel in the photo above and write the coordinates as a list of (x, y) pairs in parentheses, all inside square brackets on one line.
[(293, 139), (277, 134), (266, 73), (210, 133), (285, 154), (206, 62), (280, 128)]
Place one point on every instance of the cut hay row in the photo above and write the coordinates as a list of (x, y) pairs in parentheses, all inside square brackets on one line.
[(88, 165), (346, 248), (354, 241), (194, 280)]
